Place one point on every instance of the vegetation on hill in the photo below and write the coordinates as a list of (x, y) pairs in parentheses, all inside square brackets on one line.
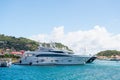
[(56, 45), (109, 53), (17, 43), (13, 43), (9, 56)]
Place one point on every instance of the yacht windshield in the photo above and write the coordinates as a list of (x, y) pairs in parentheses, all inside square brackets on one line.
[(52, 55), (57, 51)]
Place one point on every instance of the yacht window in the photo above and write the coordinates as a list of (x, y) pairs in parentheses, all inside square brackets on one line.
[(29, 54), (52, 55), (57, 51), (70, 52), (33, 55), (69, 60), (25, 54), (51, 60), (42, 60), (56, 61)]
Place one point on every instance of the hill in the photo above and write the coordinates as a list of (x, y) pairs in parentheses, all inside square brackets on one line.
[(109, 53), (21, 43), (56, 45)]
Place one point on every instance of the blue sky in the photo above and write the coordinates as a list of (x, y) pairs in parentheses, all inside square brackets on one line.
[(24, 18)]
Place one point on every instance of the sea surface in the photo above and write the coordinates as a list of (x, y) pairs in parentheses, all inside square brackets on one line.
[(98, 70)]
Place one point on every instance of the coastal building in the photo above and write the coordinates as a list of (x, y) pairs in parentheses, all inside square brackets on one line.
[(18, 53)]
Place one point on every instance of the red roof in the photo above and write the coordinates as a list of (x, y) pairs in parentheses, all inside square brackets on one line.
[(15, 52)]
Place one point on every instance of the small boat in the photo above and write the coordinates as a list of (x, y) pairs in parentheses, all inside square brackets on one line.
[(5, 62), (114, 59)]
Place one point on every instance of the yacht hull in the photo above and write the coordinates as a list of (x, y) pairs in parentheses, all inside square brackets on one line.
[(53, 61)]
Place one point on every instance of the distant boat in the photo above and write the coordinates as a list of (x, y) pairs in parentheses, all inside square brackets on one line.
[(114, 59), (5, 62)]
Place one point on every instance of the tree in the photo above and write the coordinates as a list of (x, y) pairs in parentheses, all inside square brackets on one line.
[(109, 53)]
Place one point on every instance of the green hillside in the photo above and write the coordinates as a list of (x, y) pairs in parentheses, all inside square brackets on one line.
[(17, 43), (13, 43), (56, 45), (109, 53)]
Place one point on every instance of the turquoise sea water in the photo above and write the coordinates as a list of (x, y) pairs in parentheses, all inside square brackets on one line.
[(98, 70)]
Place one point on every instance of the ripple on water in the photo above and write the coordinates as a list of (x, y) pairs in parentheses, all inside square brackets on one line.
[(99, 70)]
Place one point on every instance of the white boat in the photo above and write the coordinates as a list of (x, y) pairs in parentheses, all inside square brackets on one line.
[(5, 62), (48, 56)]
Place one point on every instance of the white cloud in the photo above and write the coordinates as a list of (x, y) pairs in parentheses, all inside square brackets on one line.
[(92, 41), (39, 37), (57, 33)]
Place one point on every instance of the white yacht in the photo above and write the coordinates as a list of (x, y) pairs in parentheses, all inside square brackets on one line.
[(49, 56)]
